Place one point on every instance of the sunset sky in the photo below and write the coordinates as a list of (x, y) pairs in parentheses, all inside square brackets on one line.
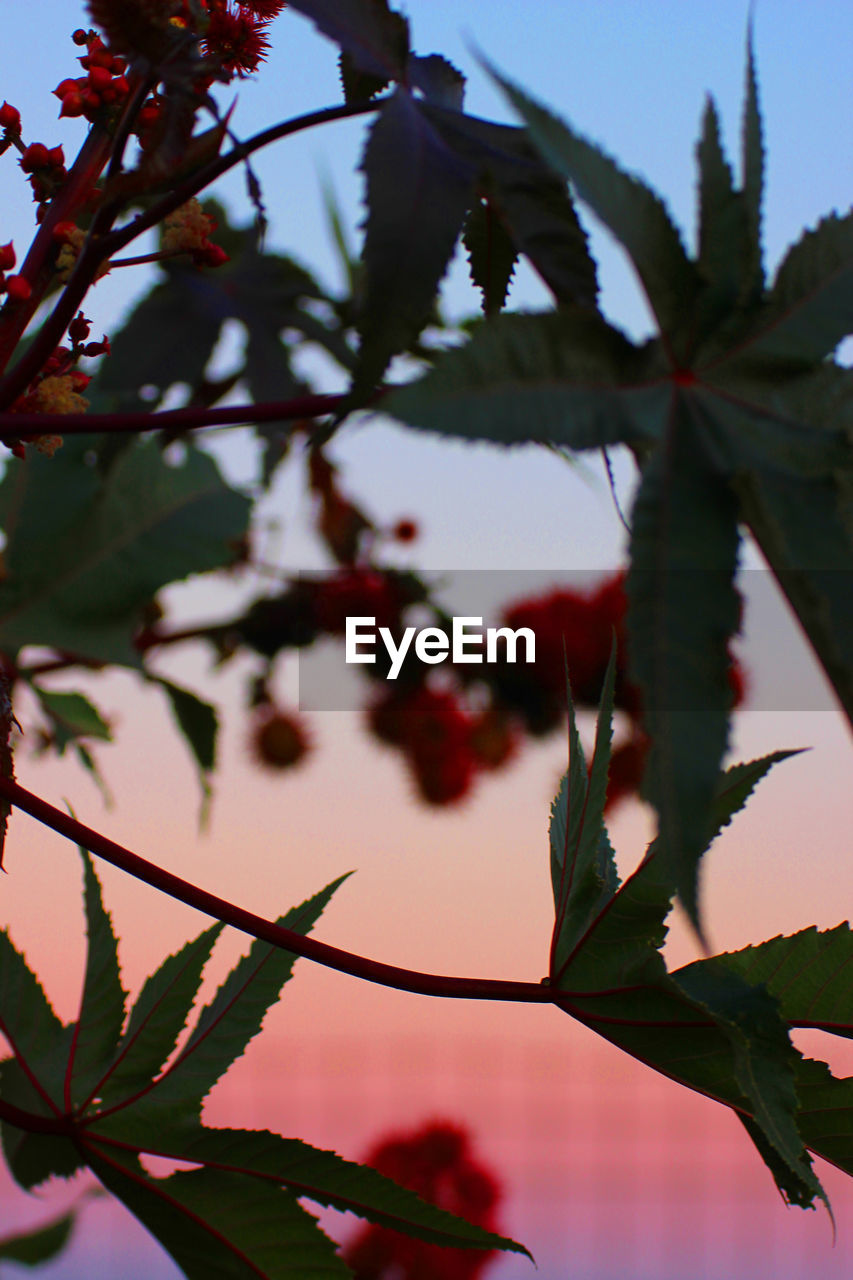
[(609, 1169)]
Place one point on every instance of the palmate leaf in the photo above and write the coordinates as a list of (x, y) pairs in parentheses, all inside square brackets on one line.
[(566, 377), (621, 945), (86, 550), (417, 195), (236, 1213), (708, 1025)]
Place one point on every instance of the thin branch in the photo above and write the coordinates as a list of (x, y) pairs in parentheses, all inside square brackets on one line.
[(257, 927), (191, 418)]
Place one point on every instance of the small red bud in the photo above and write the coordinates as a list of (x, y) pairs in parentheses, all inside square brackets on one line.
[(7, 256), (35, 157), (72, 105), (64, 87), (99, 77), (80, 37), (63, 231), (56, 157), (79, 328), (18, 288), (10, 118)]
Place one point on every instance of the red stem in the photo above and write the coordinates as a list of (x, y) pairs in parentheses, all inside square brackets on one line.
[(257, 927), (190, 418)]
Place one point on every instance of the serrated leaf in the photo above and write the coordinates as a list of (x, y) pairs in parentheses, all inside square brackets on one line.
[(804, 529), (33, 1031), (157, 1019), (533, 202), (370, 31), (727, 251), (682, 611), (765, 1064), (438, 80), (321, 1176), (634, 214), (87, 550), (622, 945), (71, 716), (223, 1225), (491, 255), (752, 168), (232, 1018), (418, 193), (31, 1248), (809, 308), (807, 972), (102, 1005), (565, 378), (583, 870), (198, 721)]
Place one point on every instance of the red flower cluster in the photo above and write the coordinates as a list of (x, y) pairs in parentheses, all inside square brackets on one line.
[(104, 85), (437, 1162), (443, 744)]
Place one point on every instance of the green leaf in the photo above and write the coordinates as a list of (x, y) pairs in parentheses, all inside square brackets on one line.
[(157, 1019), (321, 1176), (727, 250), (825, 1106), (809, 309), (634, 214), (532, 202), (234, 1016), (808, 973), (31, 1248), (622, 945), (102, 1005), (805, 531), (369, 31), (199, 723), (31, 1028), (752, 167), (765, 1064), (418, 193), (71, 716), (682, 611), (583, 870), (144, 353), (86, 551), (491, 254), (438, 80), (223, 1225), (34, 1157), (565, 378)]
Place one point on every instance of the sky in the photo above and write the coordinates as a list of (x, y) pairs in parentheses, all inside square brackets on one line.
[(610, 1170)]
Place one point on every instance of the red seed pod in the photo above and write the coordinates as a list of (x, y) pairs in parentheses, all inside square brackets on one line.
[(405, 531), (80, 37), (7, 256), (18, 288), (99, 77), (36, 156), (65, 87), (279, 740), (56, 157), (72, 105), (10, 118), (79, 329)]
